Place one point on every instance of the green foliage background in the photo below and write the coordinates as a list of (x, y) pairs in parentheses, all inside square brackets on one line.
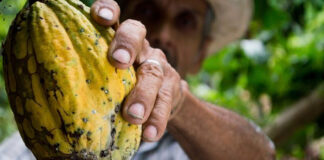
[(281, 62)]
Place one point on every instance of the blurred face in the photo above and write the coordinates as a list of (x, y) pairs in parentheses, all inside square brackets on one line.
[(175, 26)]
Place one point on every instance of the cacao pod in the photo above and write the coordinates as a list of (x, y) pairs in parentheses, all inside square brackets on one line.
[(65, 96)]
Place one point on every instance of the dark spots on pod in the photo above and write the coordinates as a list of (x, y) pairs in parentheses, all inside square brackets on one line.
[(110, 99), (73, 112), (89, 49), (69, 124), (68, 48), (41, 18), (88, 81), (76, 95), (18, 28), (55, 56), (114, 148), (105, 90), (124, 81), (85, 120), (104, 102), (113, 118), (107, 79), (80, 6), (117, 108), (24, 16), (83, 153), (53, 73), (104, 153), (56, 147), (81, 30), (116, 70), (78, 133), (56, 26), (128, 124), (97, 35), (73, 144), (89, 135), (113, 133), (42, 81), (127, 140), (96, 42)]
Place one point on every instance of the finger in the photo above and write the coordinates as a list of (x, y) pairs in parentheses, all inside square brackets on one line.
[(140, 101), (127, 44), (105, 12), (156, 124)]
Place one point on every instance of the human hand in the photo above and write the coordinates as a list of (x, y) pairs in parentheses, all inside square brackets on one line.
[(159, 88)]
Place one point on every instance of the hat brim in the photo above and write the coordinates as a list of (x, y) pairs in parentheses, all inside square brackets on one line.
[(232, 19)]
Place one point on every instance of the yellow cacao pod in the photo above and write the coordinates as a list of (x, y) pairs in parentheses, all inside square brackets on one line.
[(65, 95)]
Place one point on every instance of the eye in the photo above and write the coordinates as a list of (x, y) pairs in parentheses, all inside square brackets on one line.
[(186, 21)]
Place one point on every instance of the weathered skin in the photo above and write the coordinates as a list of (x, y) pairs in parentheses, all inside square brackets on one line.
[(65, 95)]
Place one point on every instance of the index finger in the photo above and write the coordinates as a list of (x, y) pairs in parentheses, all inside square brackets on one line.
[(129, 42), (105, 12)]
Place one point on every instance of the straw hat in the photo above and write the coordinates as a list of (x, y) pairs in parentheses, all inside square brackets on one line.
[(232, 18)]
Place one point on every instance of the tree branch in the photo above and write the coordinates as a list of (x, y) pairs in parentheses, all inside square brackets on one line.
[(297, 115)]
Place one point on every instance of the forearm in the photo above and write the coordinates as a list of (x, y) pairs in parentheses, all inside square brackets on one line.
[(209, 132)]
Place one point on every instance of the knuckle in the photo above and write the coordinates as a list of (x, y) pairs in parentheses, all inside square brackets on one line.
[(159, 53), (142, 93), (177, 77), (107, 3), (165, 96), (175, 74), (172, 73), (146, 44), (149, 69), (114, 3), (184, 84), (134, 24)]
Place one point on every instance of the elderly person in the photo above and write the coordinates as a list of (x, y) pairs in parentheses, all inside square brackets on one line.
[(167, 40)]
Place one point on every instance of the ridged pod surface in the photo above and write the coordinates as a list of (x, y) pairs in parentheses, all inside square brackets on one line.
[(65, 95)]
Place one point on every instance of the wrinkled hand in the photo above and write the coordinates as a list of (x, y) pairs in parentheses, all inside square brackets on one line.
[(159, 87)]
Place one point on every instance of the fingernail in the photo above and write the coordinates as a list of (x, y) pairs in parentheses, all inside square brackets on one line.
[(150, 132), (105, 14), (122, 56), (136, 111)]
